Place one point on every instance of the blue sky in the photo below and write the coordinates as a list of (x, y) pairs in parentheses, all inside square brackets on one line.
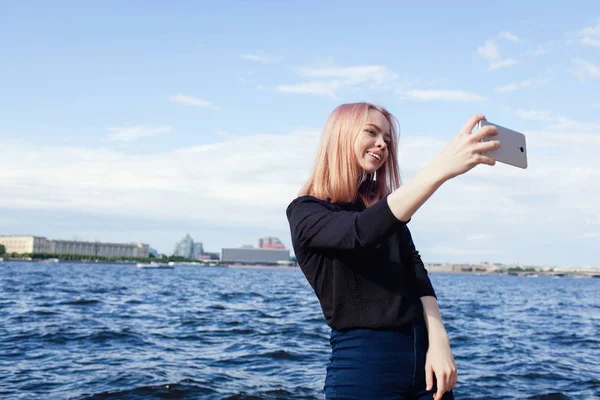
[(144, 121)]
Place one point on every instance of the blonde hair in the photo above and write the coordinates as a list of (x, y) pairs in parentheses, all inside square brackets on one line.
[(336, 175)]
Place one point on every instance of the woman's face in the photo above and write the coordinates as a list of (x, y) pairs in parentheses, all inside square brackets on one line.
[(371, 146)]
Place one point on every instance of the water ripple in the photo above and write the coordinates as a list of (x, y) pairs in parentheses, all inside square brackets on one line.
[(113, 331)]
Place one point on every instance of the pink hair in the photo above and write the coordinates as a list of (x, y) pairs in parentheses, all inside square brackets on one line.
[(336, 175)]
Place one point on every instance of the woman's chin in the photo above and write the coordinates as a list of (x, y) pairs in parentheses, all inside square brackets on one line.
[(370, 169)]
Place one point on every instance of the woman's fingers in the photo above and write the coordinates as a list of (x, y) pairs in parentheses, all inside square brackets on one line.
[(454, 380), (446, 381), (470, 124), (465, 150), (481, 159), (441, 389), (429, 377), (486, 146), (488, 130)]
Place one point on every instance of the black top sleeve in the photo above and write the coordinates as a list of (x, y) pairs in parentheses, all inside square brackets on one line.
[(423, 283), (314, 224)]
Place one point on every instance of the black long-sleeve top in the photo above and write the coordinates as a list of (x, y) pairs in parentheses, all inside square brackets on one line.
[(361, 262)]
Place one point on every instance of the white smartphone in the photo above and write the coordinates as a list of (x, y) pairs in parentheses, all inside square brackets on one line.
[(512, 150)]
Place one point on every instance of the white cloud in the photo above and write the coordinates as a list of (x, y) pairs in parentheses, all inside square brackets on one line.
[(458, 251), (331, 80), (131, 133), (189, 101), (261, 58), (489, 52), (581, 132), (497, 64), (540, 50), (317, 88), (531, 83), (449, 250), (367, 73), (202, 183), (248, 181), (555, 123), (478, 236), (561, 187), (590, 36), (442, 95), (539, 115), (584, 70), (509, 36), (511, 87)]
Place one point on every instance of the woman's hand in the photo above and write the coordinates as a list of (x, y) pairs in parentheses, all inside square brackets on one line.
[(465, 151), (440, 362), (462, 153)]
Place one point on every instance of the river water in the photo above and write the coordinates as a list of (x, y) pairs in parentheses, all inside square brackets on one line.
[(100, 331)]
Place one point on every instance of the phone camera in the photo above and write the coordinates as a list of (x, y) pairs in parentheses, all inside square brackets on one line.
[(521, 148)]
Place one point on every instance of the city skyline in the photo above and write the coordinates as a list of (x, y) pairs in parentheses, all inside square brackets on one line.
[(435, 264), (186, 247), (140, 122)]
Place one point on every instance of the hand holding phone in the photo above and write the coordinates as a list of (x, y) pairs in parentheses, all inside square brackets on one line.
[(471, 147), (513, 148)]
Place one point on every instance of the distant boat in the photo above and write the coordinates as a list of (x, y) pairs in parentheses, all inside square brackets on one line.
[(155, 265)]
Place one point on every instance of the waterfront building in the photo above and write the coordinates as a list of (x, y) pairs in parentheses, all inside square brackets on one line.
[(209, 256), (198, 250), (184, 247), (187, 248), (100, 249), (270, 242), (41, 245), (255, 256), (25, 244)]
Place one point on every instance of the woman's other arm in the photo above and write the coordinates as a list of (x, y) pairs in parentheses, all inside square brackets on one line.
[(439, 360)]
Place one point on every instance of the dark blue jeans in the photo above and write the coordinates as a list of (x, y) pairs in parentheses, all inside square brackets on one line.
[(379, 364)]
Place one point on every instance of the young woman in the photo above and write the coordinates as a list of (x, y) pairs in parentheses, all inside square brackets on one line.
[(351, 240)]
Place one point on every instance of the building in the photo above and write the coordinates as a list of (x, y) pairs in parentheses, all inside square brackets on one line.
[(210, 256), (187, 248), (255, 256), (41, 245), (25, 244), (270, 242), (184, 247), (99, 249), (198, 250)]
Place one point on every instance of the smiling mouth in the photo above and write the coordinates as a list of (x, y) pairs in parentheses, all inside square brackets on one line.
[(375, 156)]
